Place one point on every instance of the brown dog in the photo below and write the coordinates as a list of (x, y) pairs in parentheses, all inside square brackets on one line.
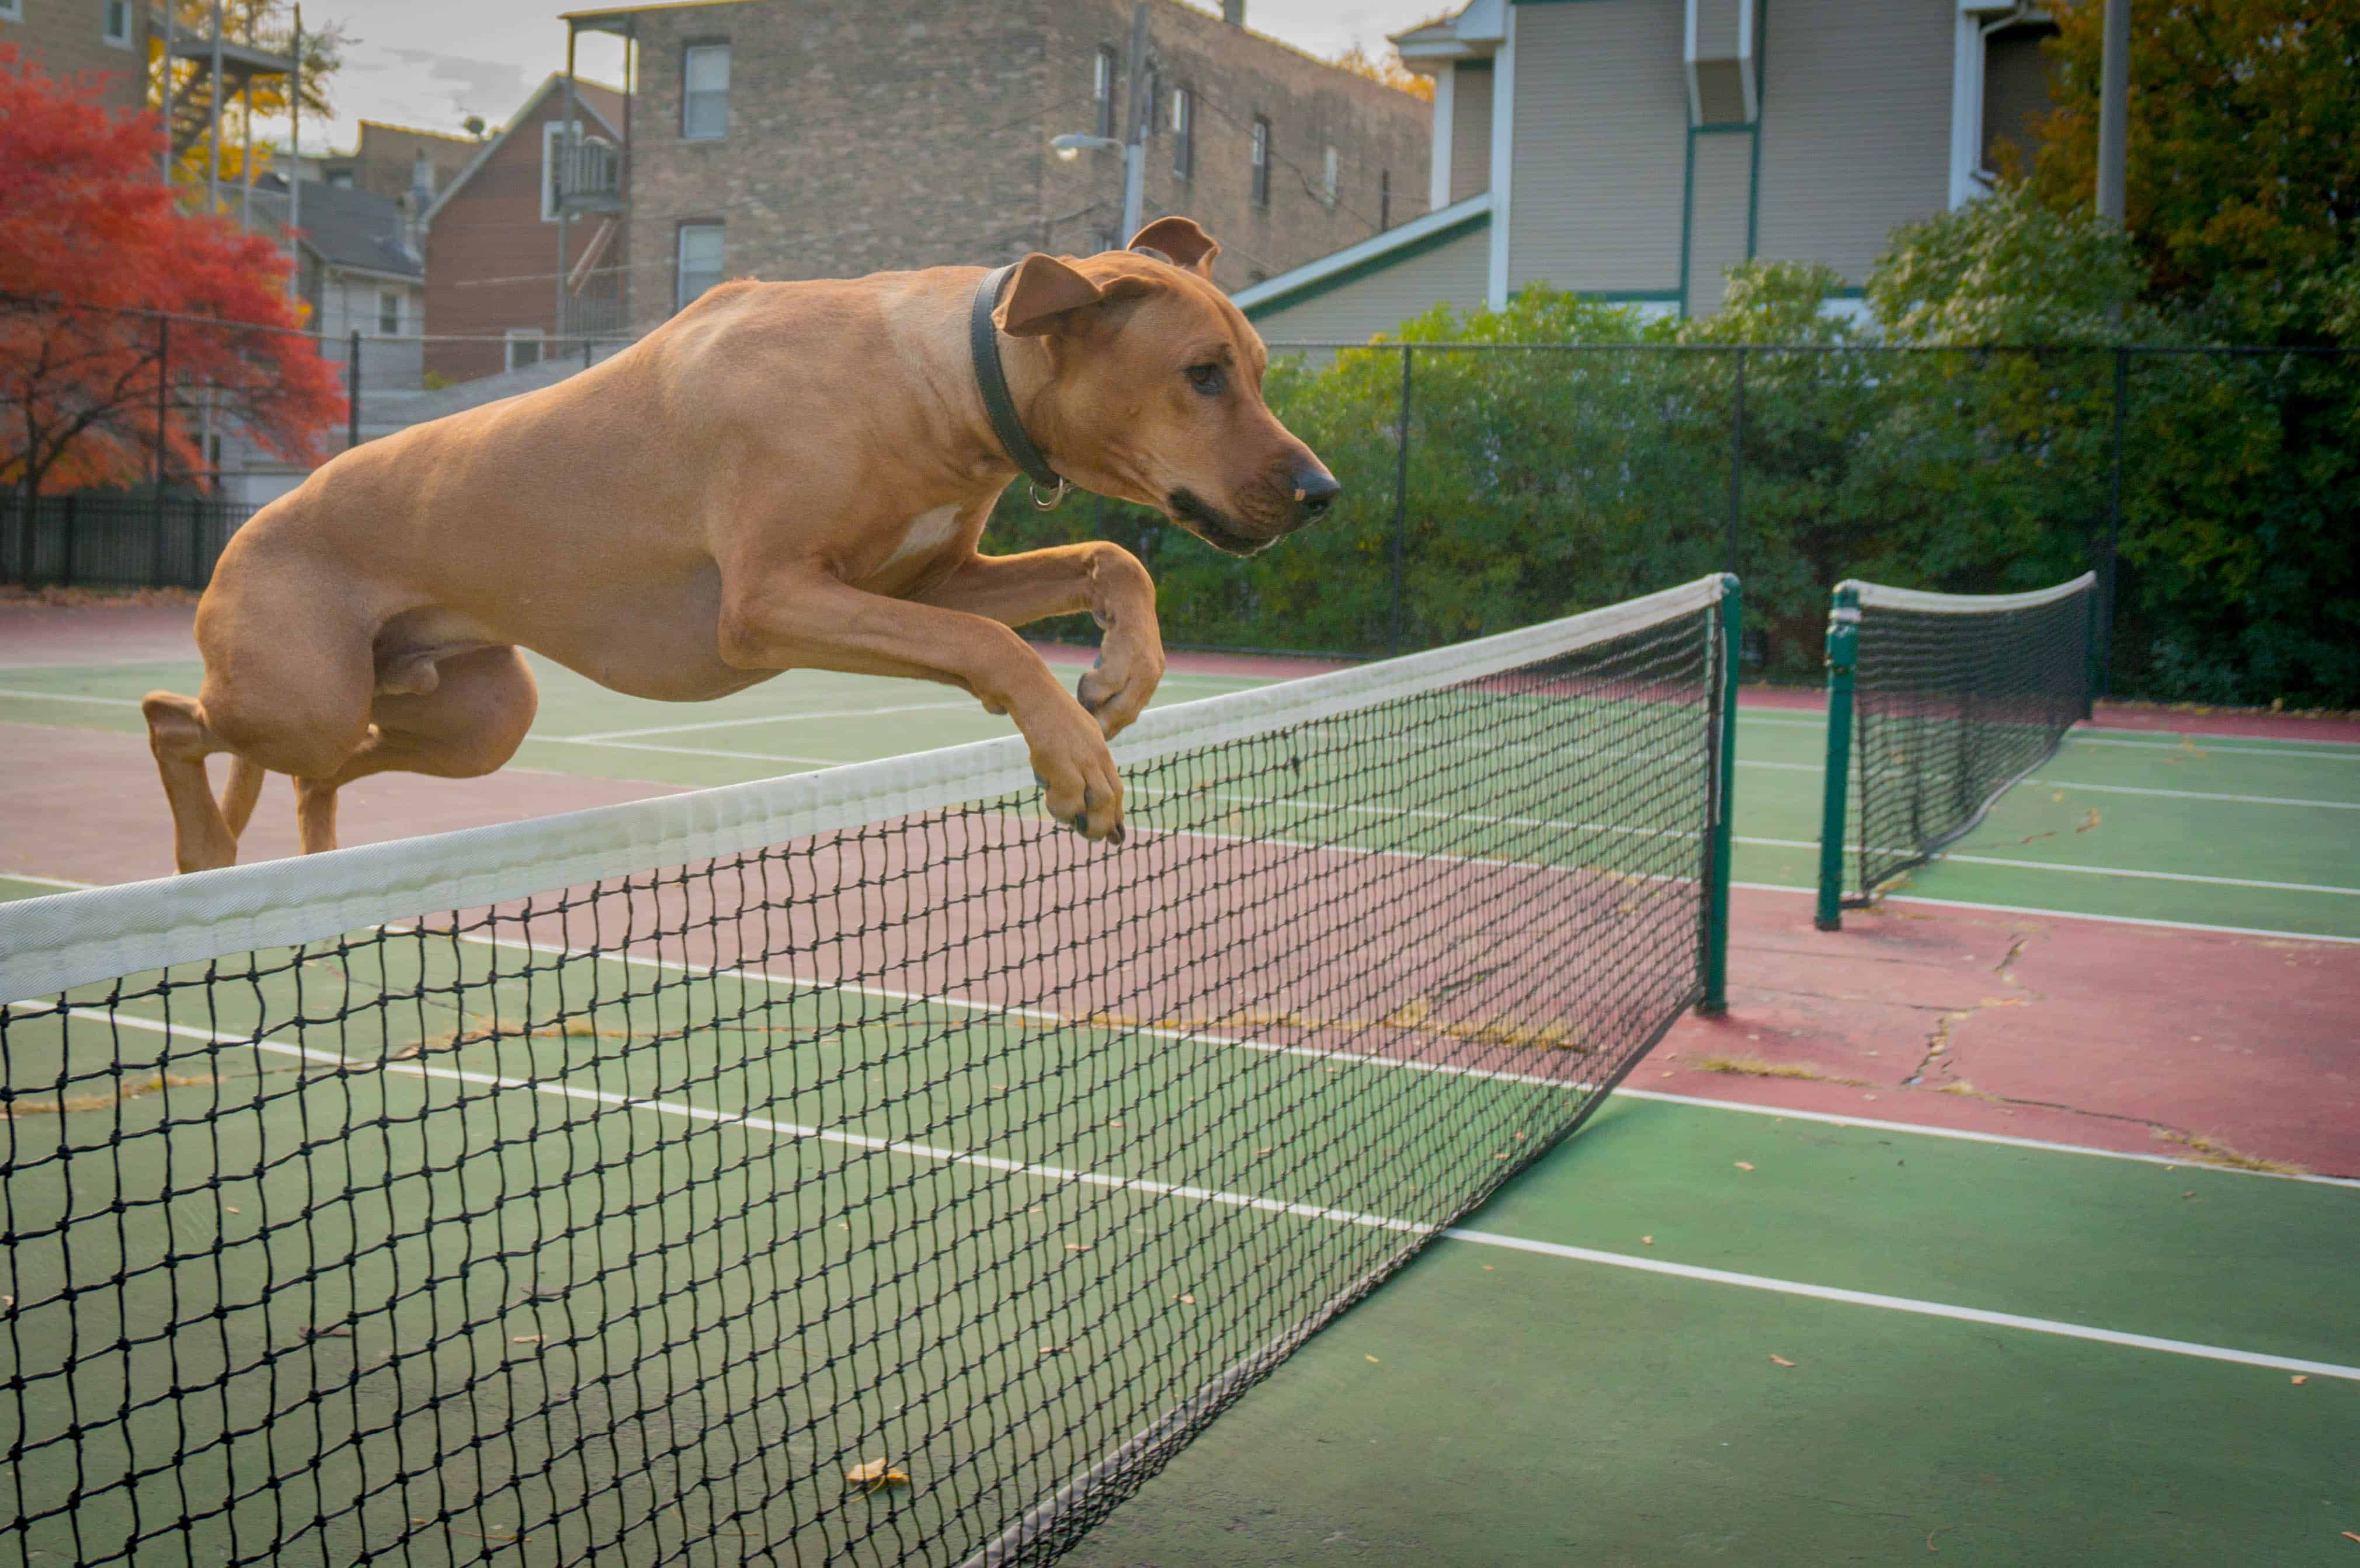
[(784, 475)]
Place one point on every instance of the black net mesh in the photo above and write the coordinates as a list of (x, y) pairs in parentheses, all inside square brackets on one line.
[(906, 1195), (1952, 707)]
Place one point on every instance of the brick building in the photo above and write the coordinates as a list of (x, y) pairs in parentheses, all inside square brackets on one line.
[(107, 38), (498, 247), (383, 162), (826, 138)]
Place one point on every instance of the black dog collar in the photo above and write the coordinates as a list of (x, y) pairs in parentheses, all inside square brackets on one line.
[(991, 380)]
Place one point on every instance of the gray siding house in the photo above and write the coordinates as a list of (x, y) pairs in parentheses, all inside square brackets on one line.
[(1633, 150)]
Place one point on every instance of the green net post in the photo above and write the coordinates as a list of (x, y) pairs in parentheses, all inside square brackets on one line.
[(1844, 652), (1724, 765)]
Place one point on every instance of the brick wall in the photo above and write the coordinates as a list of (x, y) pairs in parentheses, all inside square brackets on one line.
[(68, 38), (491, 258), (873, 134)]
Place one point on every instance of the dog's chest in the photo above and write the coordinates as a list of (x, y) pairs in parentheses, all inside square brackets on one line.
[(926, 533)]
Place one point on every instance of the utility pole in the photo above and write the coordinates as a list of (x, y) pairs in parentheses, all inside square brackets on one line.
[(1140, 112), (2114, 111), (213, 169), (295, 167)]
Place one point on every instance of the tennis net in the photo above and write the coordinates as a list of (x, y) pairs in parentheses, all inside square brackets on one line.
[(848, 1167), (1954, 698)]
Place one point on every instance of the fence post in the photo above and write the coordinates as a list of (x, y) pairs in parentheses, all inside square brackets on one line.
[(66, 568), (353, 392), (1844, 652), (1736, 464), (1400, 503), (197, 574), (2106, 558), (1731, 618)]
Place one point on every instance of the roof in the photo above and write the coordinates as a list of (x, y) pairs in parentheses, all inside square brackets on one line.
[(346, 227), (1355, 261), (604, 103), (1479, 28)]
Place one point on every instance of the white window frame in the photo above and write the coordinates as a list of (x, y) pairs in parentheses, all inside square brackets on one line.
[(107, 33), (516, 335), (688, 56), (551, 130), (1331, 173), (1259, 163), (12, 10), (1103, 72), (681, 298), (1183, 133), (389, 297)]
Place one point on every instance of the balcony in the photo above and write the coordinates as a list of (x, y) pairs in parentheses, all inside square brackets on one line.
[(588, 176)]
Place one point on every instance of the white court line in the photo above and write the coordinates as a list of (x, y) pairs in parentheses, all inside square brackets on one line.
[(2062, 914), (686, 1112), (1909, 1304), (2191, 740), (2112, 789), (2084, 870), (65, 697), (689, 751), (770, 719)]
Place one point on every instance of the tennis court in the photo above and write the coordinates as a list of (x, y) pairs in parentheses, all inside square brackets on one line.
[(1746, 1327)]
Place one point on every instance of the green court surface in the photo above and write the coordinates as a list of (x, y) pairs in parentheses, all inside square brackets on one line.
[(1695, 1333), (2253, 833)]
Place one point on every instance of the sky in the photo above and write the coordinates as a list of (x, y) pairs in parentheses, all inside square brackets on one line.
[(431, 63)]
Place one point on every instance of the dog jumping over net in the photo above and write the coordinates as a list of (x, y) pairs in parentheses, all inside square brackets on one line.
[(784, 475)]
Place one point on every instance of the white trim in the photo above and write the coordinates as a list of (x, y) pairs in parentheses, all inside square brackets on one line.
[(1909, 1304), (517, 122), (1966, 106), (110, 38), (1271, 289), (1748, 80), (12, 10), (1503, 158), (49, 944), (1876, 595), (1950, 858), (1437, 171), (537, 336)]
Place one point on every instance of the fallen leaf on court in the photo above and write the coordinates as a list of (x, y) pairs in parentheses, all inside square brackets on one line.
[(1647, 1241), (227, 1209), (1744, 1165), (1780, 1361), (2299, 1380), (2056, 795), (1051, 1349), (2349, 1536), (1186, 1300), (1077, 1246), (2089, 822), (1369, 1358), (875, 1476), (524, 1339), (1499, 1157)]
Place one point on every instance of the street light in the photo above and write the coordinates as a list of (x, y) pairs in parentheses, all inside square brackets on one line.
[(1072, 145), (1133, 144)]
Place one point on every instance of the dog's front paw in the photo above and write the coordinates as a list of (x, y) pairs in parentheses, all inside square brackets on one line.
[(1077, 776), (1117, 689)]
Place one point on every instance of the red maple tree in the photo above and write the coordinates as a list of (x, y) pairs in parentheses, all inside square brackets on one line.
[(118, 310)]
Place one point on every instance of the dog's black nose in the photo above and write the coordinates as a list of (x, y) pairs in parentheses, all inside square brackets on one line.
[(1315, 491)]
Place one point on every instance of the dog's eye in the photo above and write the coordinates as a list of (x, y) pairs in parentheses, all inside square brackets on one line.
[(1204, 378)]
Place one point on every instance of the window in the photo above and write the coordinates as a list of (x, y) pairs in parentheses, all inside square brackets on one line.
[(1260, 161), (699, 266), (1329, 170), (12, 10), (1385, 199), (523, 347), (1102, 89), (117, 26), (552, 133), (341, 178), (388, 312), (1183, 133), (704, 92)]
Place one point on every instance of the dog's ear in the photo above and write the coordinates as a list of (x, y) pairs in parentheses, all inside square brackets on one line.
[(1180, 242), (1043, 289)]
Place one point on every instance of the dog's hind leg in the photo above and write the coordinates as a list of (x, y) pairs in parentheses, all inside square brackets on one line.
[(202, 837), (468, 722), (245, 787)]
